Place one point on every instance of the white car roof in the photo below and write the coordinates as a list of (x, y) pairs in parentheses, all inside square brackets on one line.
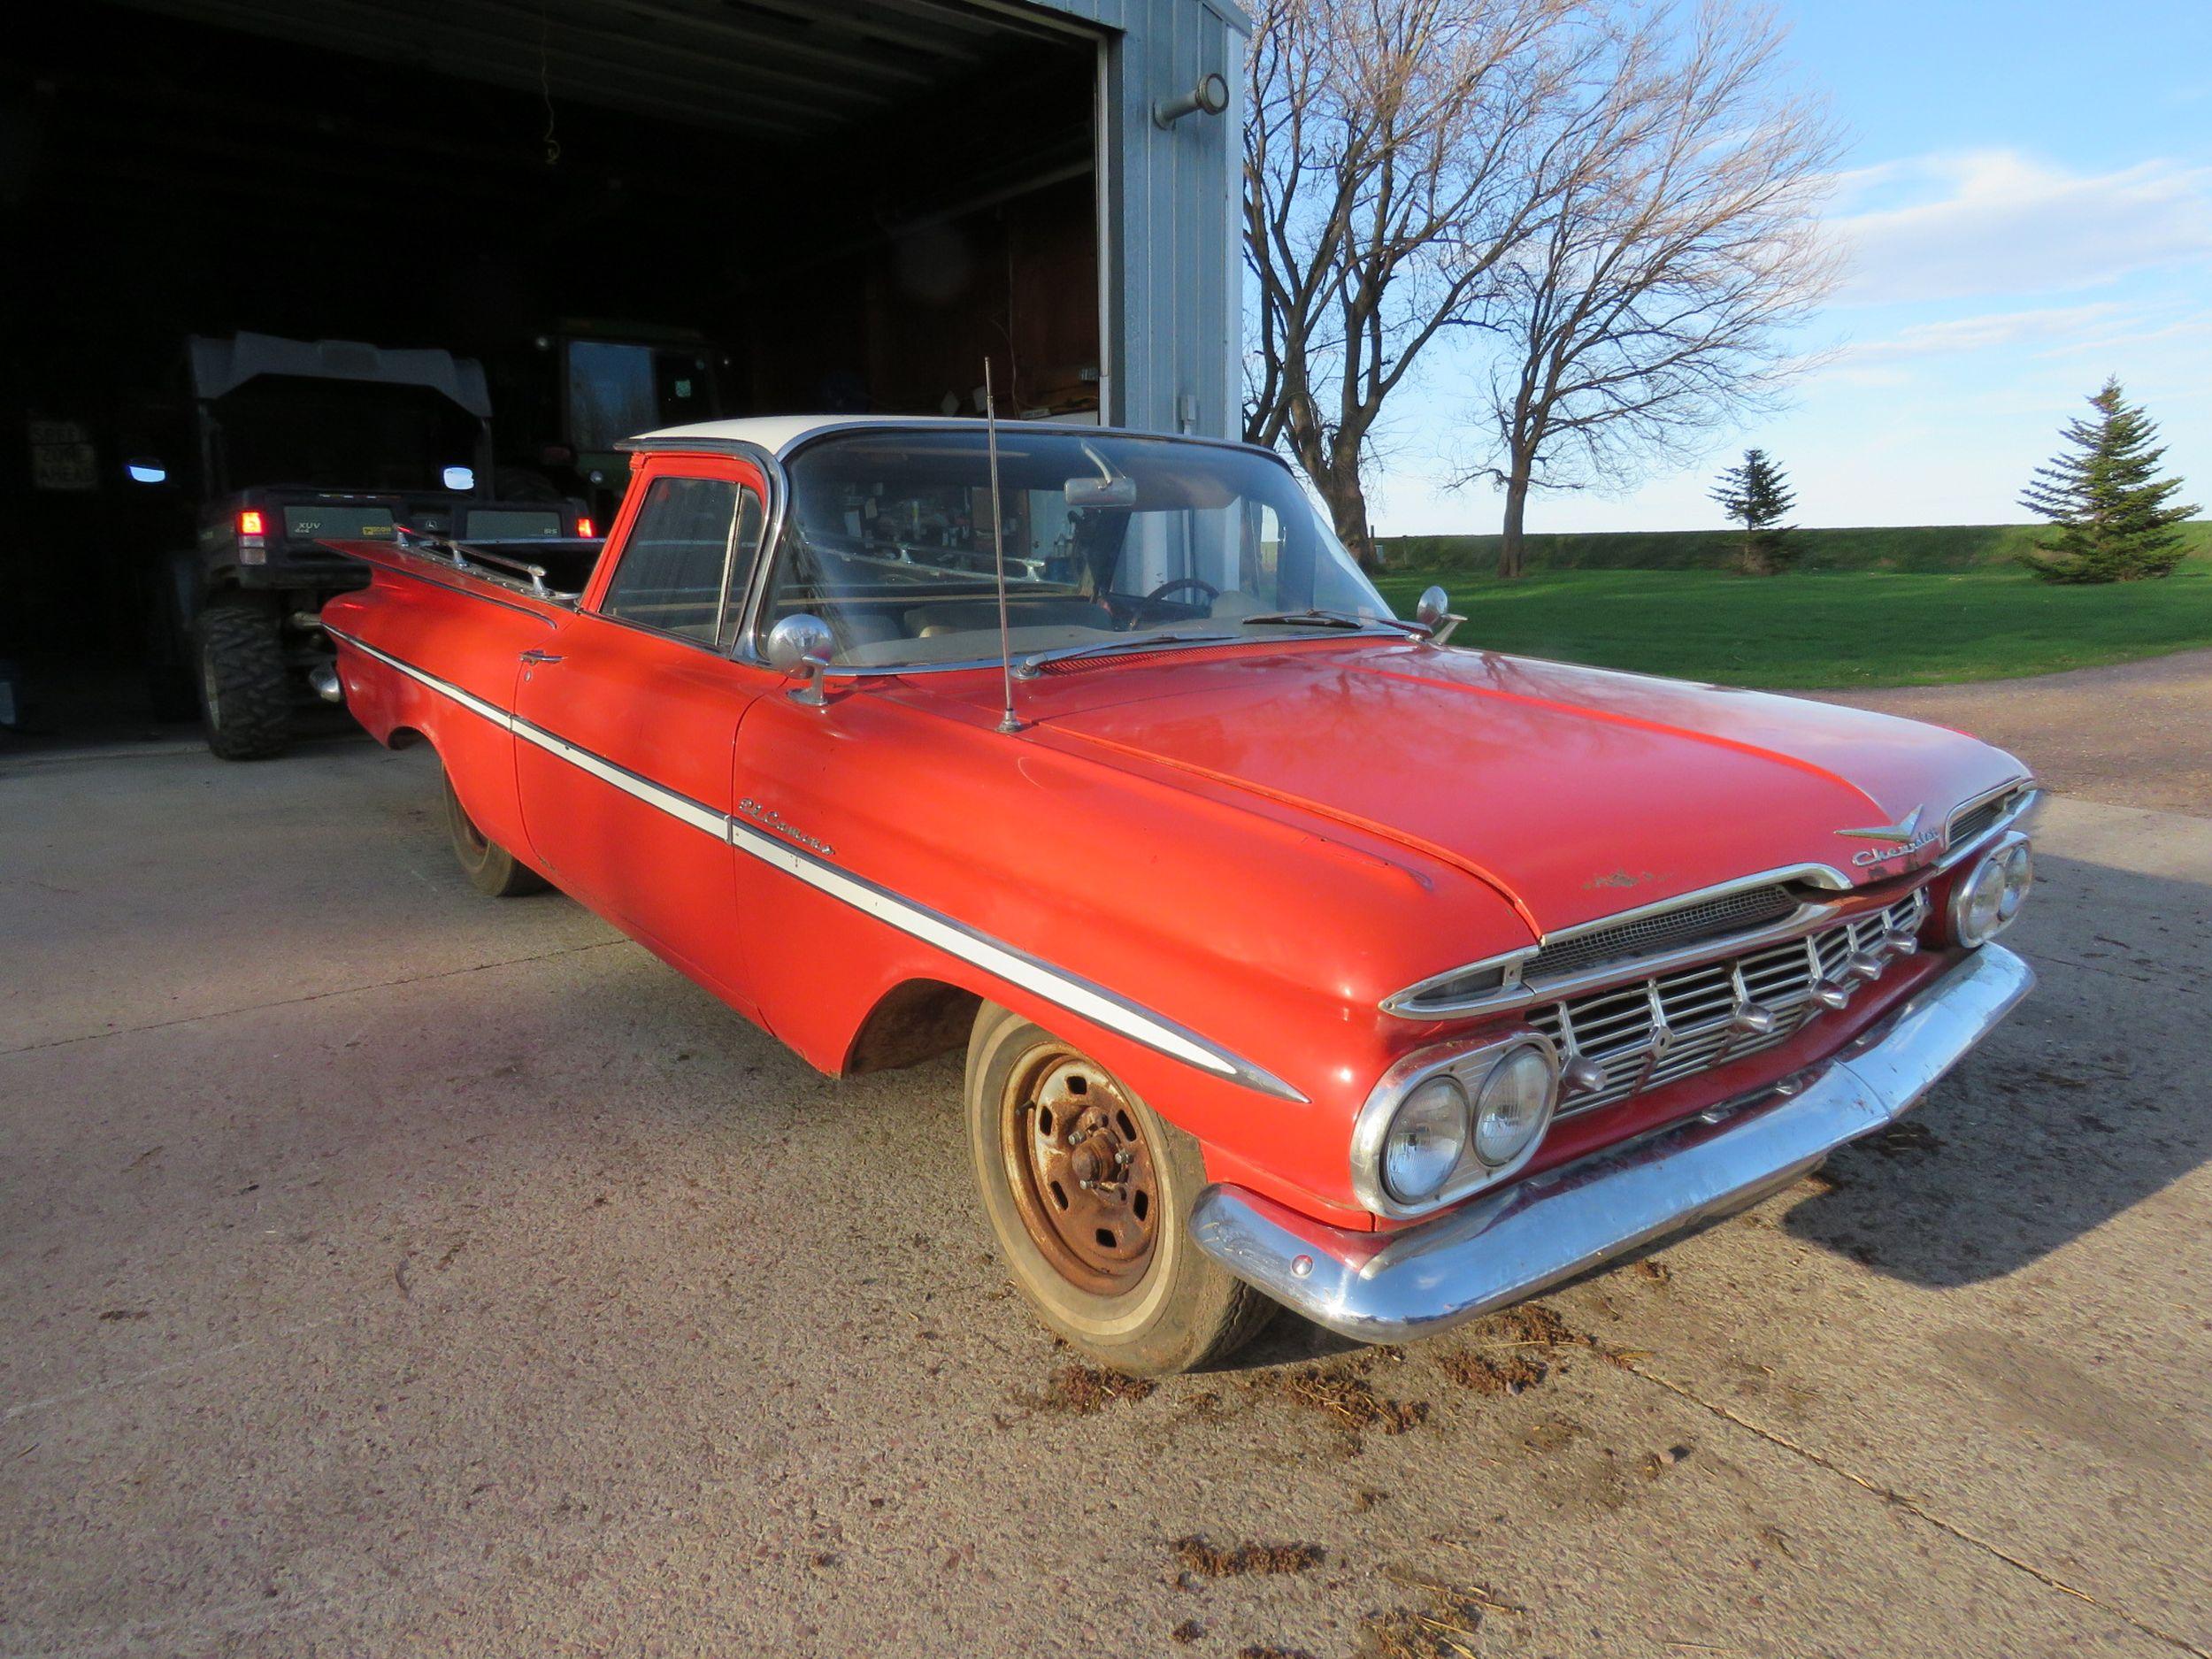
[(779, 435)]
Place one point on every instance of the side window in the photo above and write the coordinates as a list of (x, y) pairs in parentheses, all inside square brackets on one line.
[(684, 563)]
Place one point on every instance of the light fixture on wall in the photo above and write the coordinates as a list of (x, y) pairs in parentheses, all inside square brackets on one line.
[(1209, 97)]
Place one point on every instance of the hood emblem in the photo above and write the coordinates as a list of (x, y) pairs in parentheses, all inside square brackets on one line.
[(1899, 839)]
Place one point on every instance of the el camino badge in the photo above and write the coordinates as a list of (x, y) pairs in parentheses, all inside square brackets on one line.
[(1904, 838), (774, 819)]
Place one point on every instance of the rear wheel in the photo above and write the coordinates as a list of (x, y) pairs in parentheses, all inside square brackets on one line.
[(245, 692), (1089, 1193), (489, 867)]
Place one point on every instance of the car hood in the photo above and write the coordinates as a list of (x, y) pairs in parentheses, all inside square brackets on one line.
[(1576, 793)]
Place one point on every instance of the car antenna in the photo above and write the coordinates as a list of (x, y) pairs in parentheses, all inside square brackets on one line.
[(1007, 721)]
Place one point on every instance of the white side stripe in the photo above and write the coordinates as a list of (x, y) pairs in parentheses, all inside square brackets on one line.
[(1078, 996), (474, 703), (677, 806), (988, 953)]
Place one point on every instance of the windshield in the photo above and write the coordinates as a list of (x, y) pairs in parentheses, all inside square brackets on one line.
[(342, 434), (1108, 539)]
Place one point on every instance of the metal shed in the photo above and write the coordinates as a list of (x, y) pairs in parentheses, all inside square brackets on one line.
[(798, 74), (832, 206), (1170, 200)]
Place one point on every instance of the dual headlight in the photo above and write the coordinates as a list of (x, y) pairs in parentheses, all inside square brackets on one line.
[(1443, 1122), (1988, 893)]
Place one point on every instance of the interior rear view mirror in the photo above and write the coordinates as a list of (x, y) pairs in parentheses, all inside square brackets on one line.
[(1100, 492)]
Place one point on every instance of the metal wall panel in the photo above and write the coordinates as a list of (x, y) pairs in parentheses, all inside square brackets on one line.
[(1175, 272)]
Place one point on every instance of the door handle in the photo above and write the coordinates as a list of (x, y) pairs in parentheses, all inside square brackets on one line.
[(535, 656)]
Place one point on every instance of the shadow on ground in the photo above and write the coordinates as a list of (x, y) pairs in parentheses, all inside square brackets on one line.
[(2088, 1099)]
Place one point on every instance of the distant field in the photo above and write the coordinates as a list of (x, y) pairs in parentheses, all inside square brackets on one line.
[(1901, 548), (1811, 630)]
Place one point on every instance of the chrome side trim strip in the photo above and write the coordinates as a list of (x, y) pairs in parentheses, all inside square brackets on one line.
[(1501, 1249), (468, 700), (1068, 990), (1072, 992), (678, 806)]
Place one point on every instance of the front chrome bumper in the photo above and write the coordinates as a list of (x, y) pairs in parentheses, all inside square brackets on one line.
[(1496, 1250)]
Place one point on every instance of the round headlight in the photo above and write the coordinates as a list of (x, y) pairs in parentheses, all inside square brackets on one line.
[(1511, 1107), (1990, 895), (2019, 864), (1427, 1135)]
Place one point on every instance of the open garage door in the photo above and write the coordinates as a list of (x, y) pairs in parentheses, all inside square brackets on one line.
[(668, 207)]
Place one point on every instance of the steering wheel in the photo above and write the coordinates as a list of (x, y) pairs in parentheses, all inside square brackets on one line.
[(1145, 605)]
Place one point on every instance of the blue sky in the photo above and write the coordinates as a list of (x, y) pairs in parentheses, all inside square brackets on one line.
[(2027, 205)]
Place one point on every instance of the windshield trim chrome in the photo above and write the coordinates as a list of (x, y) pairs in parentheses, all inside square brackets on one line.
[(774, 468)]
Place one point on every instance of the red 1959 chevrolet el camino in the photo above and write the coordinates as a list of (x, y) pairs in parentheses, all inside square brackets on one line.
[(1298, 957)]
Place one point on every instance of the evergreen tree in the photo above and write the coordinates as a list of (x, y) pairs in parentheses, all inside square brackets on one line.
[(2115, 523), (1756, 496)]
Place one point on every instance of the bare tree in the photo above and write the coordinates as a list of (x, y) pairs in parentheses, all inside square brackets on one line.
[(1396, 152), (1651, 300)]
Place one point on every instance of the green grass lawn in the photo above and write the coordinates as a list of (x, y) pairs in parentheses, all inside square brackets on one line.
[(1838, 629), (1893, 548)]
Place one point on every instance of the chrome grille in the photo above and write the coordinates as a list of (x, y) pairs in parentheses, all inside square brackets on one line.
[(1735, 913), (1974, 820), (1660, 1030)]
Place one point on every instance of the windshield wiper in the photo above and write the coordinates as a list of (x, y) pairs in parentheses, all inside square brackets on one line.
[(1126, 643), (1318, 619)]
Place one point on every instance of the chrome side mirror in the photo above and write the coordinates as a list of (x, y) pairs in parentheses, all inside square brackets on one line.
[(1433, 611), (801, 645)]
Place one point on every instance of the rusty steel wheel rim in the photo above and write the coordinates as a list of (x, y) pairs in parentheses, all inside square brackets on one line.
[(1082, 1172), (472, 838)]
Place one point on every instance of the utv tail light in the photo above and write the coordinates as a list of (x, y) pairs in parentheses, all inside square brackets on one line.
[(249, 522), (253, 546), (584, 528)]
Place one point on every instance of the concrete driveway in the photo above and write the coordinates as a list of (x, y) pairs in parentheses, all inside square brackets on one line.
[(385, 1270)]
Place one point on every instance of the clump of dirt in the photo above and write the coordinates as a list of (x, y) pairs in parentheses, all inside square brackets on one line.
[(113, 1314), (1487, 1376), (1354, 1402), (1080, 1390), (1656, 1463), (1186, 1632), (1263, 1650), (1204, 1406), (1552, 1433), (1532, 1324), (1212, 1561), (1911, 1136), (1442, 1630), (1658, 1272)]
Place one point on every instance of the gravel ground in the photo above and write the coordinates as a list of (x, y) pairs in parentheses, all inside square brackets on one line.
[(2137, 735), (384, 1269)]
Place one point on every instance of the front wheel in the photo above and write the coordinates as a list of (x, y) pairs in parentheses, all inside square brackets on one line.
[(489, 867), (1089, 1193), (245, 690)]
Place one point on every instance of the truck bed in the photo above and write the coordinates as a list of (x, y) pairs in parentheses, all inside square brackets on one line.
[(544, 570)]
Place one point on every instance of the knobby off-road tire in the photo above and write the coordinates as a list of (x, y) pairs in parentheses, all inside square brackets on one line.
[(489, 867), (1109, 1266), (245, 690)]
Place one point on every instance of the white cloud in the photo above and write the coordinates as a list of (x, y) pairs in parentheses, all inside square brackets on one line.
[(2185, 331), (1994, 328), (1996, 221)]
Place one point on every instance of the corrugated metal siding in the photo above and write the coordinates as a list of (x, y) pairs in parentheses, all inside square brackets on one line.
[(1174, 271)]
